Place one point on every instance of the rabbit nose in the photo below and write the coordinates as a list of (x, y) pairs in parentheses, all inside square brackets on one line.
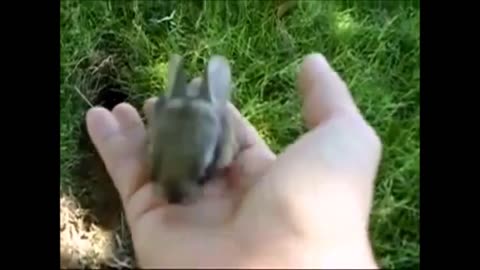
[(174, 195), (175, 192)]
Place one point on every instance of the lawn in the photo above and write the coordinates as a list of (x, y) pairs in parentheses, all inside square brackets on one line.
[(118, 50)]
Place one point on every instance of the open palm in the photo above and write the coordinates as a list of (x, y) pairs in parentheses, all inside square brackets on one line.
[(308, 207)]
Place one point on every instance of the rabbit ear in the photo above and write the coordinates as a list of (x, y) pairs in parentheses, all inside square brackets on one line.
[(216, 84), (177, 78), (159, 105), (204, 91)]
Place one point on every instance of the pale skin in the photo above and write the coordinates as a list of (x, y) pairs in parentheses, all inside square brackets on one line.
[(307, 207)]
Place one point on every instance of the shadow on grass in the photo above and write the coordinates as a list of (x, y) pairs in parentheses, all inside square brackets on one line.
[(100, 195), (96, 234)]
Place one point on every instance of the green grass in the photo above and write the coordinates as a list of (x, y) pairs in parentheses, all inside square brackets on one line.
[(375, 47)]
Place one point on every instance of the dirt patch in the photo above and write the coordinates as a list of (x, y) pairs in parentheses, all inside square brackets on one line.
[(86, 245), (93, 231)]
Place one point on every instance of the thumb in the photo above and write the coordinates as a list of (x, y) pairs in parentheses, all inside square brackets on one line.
[(324, 181)]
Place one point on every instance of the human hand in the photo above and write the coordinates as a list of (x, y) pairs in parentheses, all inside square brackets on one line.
[(307, 208)]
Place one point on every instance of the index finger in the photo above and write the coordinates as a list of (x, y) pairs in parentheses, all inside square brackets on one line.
[(254, 157)]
